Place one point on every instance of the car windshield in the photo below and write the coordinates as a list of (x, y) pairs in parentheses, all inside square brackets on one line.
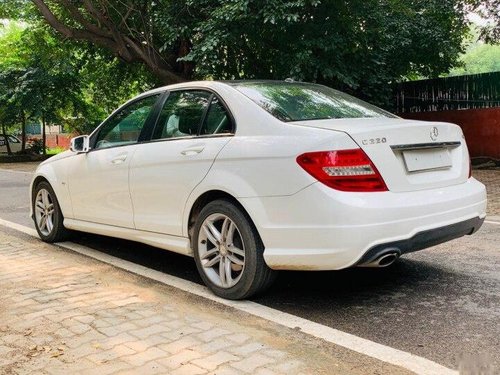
[(294, 101)]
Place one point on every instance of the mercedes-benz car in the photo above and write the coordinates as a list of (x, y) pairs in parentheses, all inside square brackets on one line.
[(250, 177)]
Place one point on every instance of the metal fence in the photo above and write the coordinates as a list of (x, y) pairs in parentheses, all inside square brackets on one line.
[(450, 93)]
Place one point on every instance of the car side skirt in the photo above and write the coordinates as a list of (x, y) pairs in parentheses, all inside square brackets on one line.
[(180, 245)]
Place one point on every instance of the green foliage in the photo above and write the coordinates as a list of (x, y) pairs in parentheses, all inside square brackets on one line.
[(360, 46), (54, 150), (71, 84), (36, 146), (482, 58), (10, 37)]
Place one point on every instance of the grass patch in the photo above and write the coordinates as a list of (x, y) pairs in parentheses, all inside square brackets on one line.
[(55, 150)]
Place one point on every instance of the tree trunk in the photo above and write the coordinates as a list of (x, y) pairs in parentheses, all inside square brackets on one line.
[(94, 25), (44, 136), (4, 131), (23, 132)]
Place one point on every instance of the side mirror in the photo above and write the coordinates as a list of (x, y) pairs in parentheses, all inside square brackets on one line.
[(80, 144)]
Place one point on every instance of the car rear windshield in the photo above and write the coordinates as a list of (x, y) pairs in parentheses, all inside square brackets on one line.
[(304, 101)]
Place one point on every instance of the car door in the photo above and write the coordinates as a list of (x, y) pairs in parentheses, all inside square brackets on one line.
[(15, 143), (98, 179), (191, 129)]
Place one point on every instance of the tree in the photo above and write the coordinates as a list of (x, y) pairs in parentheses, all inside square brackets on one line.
[(71, 84), (481, 58), (124, 28), (357, 45), (10, 110), (489, 10)]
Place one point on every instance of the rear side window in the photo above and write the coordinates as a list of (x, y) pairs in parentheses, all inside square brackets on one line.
[(182, 114), (304, 101), (217, 120)]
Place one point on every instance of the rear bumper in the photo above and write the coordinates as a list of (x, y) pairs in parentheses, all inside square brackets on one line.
[(425, 239), (323, 229)]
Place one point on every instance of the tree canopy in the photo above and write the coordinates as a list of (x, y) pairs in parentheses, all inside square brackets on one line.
[(45, 81), (113, 48), (357, 45)]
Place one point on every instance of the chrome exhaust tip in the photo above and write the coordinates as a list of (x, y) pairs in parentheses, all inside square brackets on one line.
[(383, 260)]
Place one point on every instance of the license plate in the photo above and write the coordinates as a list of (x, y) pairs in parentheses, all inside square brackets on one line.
[(420, 160)]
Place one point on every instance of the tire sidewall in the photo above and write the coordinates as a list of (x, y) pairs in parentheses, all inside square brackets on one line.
[(253, 248), (57, 218)]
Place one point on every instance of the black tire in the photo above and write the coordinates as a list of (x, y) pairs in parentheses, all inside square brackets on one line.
[(256, 276), (58, 232)]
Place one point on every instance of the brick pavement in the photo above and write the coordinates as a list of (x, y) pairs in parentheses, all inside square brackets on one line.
[(62, 313)]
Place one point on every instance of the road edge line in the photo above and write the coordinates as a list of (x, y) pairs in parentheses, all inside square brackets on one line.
[(384, 353), (15, 171)]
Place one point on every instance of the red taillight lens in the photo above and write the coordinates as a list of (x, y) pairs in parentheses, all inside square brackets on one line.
[(346, 170)]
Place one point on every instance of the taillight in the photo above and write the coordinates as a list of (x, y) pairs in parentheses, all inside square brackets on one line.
[(346, 170)]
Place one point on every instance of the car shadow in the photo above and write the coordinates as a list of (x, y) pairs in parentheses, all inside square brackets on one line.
[(340, 288)]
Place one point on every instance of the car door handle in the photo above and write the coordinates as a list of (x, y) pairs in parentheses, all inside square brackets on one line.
[(119, 159), (192, 150)]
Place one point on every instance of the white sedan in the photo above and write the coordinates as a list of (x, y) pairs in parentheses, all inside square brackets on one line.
[(14, 143), (250, 177)]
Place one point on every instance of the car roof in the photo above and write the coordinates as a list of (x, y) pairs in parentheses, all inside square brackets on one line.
[(215, 84)]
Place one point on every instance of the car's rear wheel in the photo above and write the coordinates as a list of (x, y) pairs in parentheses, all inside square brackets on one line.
[(47, 214), (229, 252)]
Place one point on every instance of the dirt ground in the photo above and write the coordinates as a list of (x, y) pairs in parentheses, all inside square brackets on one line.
[(491, 178)]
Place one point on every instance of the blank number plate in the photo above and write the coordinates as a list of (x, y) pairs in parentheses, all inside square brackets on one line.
[(419, 160)]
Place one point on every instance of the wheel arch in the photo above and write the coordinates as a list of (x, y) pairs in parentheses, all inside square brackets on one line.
[(47, 174), (210, 196), (37, 180)]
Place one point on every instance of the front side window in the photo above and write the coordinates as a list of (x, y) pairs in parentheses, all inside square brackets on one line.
[(304, 101), (182, 114), (126, 125)]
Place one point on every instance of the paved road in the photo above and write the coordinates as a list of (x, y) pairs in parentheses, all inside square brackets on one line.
[(442, 304)]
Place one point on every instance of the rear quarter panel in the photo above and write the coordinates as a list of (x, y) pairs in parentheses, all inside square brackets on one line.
[(265, 165)]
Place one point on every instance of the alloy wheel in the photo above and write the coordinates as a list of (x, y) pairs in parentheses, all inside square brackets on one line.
[(44, 212), (221, 250)]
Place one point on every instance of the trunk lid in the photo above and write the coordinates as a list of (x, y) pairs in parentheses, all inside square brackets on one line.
[(410, 155)]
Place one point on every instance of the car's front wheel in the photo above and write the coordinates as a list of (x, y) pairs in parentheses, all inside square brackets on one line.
[(47, 214), (229, 253)]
